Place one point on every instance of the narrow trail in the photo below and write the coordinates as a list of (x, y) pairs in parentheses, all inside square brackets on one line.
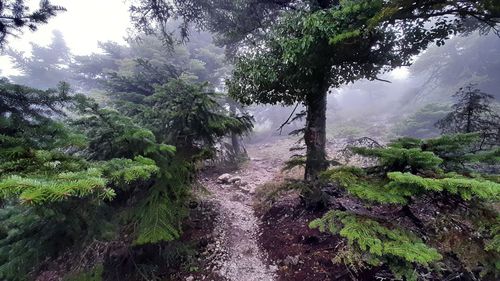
[(237, 228)]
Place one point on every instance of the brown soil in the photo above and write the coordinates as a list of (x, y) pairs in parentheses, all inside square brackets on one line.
[(198, 232), (301, 253)]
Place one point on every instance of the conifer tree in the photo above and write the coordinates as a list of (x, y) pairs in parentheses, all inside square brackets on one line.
[(420, 202), (45, 67), (15, 16), (55, 184), (473, 112), (188, 114)]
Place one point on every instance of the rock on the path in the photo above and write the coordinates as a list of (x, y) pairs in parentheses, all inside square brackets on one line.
[(244, 189), (224, 178), (190, 278), (291, 260), (234, 180)]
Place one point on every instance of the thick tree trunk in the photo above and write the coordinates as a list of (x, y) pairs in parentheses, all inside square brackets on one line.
[(315, 132)]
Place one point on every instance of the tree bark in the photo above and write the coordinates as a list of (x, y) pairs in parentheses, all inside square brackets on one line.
[(315, 132), (235, 142), (239, 151)]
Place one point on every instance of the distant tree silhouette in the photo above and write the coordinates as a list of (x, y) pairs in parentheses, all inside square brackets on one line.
[(15, 16), (46, 66), (472, 112)]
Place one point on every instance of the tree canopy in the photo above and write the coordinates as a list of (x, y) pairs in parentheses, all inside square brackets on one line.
[(295, 51)]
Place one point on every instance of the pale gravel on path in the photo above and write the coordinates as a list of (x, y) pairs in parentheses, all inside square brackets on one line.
[(240, 257)]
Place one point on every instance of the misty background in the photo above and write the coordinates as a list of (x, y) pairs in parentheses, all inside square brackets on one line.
[(408, 104)]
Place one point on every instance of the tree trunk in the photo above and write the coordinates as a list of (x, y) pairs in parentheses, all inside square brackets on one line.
[(468, 128), (235, 142), (315, 132), (239, 151)]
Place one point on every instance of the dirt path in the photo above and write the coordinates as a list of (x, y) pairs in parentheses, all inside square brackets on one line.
[(238, 255)]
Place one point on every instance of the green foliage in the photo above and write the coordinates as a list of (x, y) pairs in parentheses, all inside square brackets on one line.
[(406, 142), (18, 251), (466, 188), (184, 114), (295, 51), (160, 207), (31, 234), (136, 69), (321, 36), (457, 151), (490, 157), (371, 189), (106, 172), (296, 161), (159, 218), (382, 244), (122, 172), (494, 243), (408, 174), (39, 191), (31, 140), (48, 172), (402, 159), (112, 135), (450, 146)]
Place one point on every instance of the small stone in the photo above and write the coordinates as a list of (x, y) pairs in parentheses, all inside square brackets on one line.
[(234, 180), (291, 260), (244, 189), (224, 178), (190, 278)]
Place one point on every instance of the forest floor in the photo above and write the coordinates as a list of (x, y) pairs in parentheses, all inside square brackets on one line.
[(255, 238), (233, 251), (238, 255)]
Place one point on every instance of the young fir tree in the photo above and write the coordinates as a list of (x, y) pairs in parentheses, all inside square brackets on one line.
[(55, 184), (35, 173), (414, 218), (160, 198), (191, 117), (179, 84)]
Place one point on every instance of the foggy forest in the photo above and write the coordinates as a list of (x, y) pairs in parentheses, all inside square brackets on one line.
[(249, 140)]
